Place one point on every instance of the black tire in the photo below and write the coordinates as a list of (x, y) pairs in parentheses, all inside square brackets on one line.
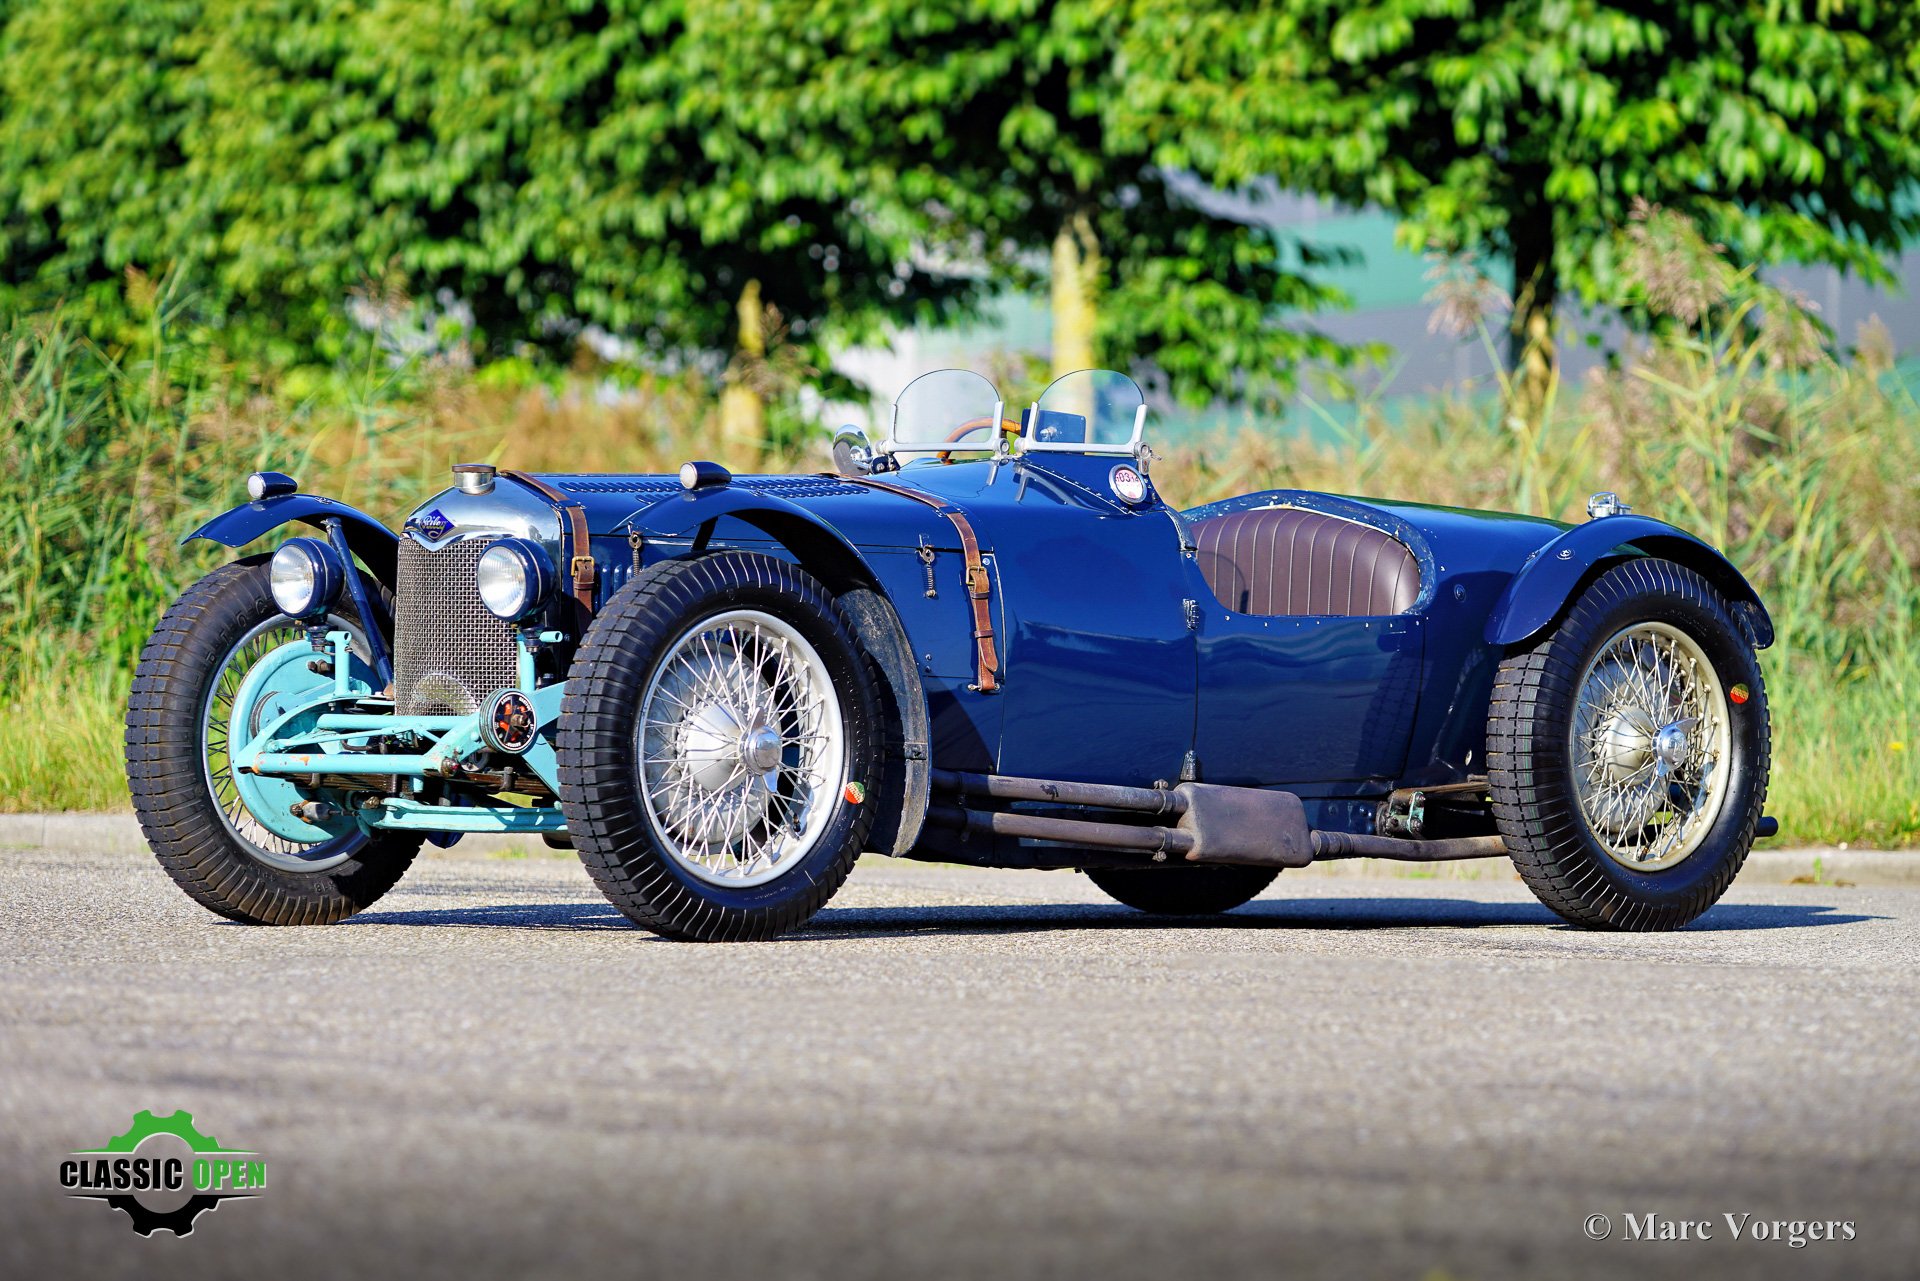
[(166, 772), (1530, 759), (1182, 891), (600, 789)]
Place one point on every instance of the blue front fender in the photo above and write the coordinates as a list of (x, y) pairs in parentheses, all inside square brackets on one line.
[(818, 545), (375, 544), (683, 513), (1545, 585)]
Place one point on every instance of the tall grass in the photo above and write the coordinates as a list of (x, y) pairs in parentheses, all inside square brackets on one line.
[(111, 456), (1806, 469), (1736, 421)]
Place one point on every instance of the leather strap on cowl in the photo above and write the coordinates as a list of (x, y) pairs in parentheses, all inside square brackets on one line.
[(979, 585), (581, 571)]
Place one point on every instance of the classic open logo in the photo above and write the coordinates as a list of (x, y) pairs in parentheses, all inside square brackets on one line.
[(164, 1173)]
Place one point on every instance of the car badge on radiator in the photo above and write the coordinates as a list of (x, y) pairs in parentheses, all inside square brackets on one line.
[(432, 526)]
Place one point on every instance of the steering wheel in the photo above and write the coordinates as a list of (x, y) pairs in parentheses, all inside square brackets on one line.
[(1007, 425)]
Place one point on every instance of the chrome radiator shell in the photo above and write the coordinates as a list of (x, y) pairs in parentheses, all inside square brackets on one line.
[(449, 653)]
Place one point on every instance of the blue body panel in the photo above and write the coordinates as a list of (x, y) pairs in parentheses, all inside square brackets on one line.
[(1099, 659), (1090, 604), (1302, 700), (1118, 664), (1433, 668), (375, 544)]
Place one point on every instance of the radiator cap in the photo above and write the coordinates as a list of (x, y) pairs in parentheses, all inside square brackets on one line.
[(474, 478)]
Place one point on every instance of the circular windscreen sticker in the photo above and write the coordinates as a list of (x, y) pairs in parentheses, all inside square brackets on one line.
[(1128, 485)]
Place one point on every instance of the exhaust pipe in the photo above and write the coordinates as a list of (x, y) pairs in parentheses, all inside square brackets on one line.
[(1445, 850), (1005, 787), (1161, 842), (1248, 826)]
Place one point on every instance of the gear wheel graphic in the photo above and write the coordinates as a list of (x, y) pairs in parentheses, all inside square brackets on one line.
[(179, 1222), (145, 1126)]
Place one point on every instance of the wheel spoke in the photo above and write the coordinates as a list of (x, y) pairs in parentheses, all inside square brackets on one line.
[(1647, 723), (738, 736)]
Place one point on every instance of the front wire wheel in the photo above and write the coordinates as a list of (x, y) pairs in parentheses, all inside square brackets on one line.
[(179, 731), (1627, 750), (742, 748), (716, 715)]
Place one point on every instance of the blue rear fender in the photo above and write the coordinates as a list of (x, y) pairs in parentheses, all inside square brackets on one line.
[(374, 544), (1546, 584)]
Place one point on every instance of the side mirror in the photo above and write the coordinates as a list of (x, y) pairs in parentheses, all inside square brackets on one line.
[(852, 452)]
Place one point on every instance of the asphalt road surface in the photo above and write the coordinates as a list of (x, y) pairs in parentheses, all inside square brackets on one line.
[(967, 1074)]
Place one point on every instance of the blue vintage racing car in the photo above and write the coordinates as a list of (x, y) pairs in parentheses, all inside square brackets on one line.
[(984, 640)]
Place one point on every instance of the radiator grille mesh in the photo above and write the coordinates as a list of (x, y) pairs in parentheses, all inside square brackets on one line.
[(449, 652)]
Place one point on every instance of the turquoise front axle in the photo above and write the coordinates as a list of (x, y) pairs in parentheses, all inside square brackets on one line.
[(321, 722)]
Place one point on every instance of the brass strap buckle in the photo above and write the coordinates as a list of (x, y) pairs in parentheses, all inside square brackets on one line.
[(583, 569), (979, 585)]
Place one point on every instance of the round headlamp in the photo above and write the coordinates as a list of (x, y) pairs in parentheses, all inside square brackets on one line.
[(305, 577), (514, 578)]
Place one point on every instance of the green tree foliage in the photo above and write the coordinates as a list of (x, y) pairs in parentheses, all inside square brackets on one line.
[(93, 113), (985, 122), (605, 189), (1785, 129), (541, 163), (647, 166)]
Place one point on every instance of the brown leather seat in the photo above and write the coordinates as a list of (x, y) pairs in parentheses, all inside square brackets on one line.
[(1284, 560)]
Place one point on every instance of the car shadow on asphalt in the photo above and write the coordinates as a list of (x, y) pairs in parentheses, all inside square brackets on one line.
[(521, 916), (987, 919), (1277, 914)]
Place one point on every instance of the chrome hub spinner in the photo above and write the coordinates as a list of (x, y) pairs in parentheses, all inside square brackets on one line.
[(1672, 746), (761, 749)]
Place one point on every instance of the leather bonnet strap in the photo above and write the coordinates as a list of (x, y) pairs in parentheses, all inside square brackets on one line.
[(581, 572), (979, 585)]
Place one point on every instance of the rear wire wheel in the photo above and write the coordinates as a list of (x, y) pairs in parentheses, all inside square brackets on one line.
[(1627, 751)]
